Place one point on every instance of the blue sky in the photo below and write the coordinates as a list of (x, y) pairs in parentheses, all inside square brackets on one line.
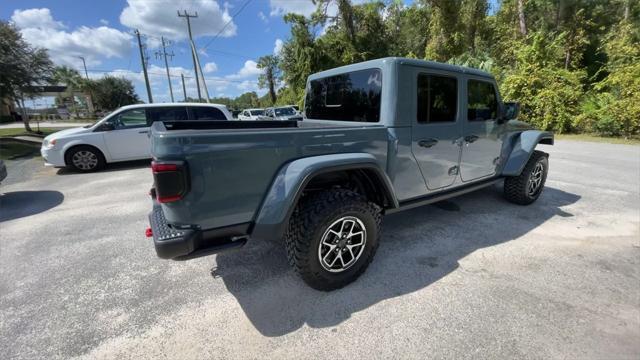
[(102, 32)]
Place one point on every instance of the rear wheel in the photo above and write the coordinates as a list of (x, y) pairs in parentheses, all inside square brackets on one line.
[(85, 158), (332, 237), (526, 188)]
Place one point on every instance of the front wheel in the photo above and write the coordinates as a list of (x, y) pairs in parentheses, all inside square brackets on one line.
[(332, 237), (527, 187), (85, 158)]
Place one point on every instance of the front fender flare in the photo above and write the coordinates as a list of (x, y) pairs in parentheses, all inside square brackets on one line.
[(273, 216), (522, 149)]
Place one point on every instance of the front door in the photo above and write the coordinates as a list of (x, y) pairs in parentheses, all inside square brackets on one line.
[(482, 131), (436, 128), (130, 137)]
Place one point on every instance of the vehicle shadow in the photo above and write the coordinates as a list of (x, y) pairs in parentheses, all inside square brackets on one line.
[(19, 204), (418, 247), (119, 166)]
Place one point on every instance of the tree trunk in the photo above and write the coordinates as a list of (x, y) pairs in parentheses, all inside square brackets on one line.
[(25, 116), (567, 59), (627, 10), (521, 18), (272, 88), (346, 13)]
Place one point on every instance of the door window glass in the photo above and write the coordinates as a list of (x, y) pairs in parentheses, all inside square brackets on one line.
[(207, 113), (175, 113), (132, 119), (482, 103), (437, 98)]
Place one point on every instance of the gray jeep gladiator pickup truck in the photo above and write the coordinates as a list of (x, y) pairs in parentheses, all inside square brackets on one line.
[(378, 137)]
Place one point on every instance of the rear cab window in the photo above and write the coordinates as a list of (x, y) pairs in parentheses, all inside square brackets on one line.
[(353, 96)]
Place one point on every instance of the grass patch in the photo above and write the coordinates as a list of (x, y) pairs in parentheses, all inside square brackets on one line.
[(596, 138), (11, 150), (23, 132)]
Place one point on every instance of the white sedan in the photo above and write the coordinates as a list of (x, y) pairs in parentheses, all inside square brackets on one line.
[(121, 135)]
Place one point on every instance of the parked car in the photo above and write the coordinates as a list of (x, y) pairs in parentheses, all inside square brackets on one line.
[(283, 113), (3, 171), (252, 114), (121, 136), (380, 136)]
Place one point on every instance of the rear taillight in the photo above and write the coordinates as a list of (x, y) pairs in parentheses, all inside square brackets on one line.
[(171, 182)]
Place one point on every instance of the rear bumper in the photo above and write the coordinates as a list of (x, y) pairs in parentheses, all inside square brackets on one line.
[(184, 244)]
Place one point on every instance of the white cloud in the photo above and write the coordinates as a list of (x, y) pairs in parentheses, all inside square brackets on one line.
[(210, 67), (35, 18), (104, 22), (39, 29), (263, 17), (250, 69), (278, 47), (160, 18), (281, 7)]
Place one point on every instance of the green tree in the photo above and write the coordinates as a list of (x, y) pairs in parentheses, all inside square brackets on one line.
[(21, 67), (270, 76), (111, 92)]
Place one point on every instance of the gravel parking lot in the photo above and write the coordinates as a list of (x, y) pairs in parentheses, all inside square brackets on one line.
[(473, 277)]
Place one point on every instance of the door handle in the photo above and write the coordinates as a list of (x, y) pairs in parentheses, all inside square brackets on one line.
[(143, 132), (471, 138), (427, 143)]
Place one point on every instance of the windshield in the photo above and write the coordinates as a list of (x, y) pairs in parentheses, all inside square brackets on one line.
[(104, 116), (257, 112), (285, 111)]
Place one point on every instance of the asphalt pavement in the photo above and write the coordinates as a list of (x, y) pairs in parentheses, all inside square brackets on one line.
[(472, 277)]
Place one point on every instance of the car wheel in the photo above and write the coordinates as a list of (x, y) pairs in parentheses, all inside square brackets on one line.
[(526, 188), (332, 237), (85, 159)]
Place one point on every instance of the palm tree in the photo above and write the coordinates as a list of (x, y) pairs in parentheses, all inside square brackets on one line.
[(74, 82)]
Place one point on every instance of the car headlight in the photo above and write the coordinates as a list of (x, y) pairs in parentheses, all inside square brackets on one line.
[(49, 144)]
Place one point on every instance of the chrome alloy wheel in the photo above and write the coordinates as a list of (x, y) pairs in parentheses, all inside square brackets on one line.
[(342, 244), (535, 180), (84, 160)]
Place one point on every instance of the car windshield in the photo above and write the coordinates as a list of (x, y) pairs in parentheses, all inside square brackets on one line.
[(285, 111), (257, 112), (100, 119)]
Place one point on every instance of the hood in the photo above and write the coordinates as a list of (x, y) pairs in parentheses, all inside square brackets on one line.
[(67, 132)]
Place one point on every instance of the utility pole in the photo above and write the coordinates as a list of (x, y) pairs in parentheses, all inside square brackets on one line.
[(164, 54), (193, 55), (184, 89), (144, 67), (86, 74)]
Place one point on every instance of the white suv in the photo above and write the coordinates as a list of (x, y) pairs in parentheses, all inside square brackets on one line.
[(252, 114), (121, 135)]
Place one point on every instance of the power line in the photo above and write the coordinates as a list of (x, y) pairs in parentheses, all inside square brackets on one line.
[(172, 75), (227, 23)]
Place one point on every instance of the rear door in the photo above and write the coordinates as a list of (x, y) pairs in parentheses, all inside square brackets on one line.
[(129, 140), (436, 126), (481, 129)]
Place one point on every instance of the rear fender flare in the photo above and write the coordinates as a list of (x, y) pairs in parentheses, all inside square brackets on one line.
[(522, 149), (273, 216)]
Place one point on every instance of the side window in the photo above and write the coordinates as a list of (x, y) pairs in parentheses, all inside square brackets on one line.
[(482, 103), (437, 98), (132, 119), (207, 113), (167, 113)]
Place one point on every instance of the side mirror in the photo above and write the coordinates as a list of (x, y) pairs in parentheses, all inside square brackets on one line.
[(511, 110)]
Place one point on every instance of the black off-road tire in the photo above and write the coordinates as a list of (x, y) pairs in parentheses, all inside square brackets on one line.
[(310, 220), (100, 163), (516, 187)]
